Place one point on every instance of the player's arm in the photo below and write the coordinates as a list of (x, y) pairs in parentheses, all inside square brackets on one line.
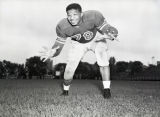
[(104, 28), (61, 38), (54, 51), (58, 45), (108, 30)]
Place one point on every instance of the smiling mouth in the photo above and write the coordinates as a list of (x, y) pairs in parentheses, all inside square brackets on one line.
[(73, 23)]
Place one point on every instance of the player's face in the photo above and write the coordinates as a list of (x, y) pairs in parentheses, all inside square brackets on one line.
[(74, 16)]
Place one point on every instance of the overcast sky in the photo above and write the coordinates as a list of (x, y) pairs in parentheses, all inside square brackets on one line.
[(27, 25)]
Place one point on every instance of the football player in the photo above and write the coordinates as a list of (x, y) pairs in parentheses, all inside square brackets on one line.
[(88, 31)]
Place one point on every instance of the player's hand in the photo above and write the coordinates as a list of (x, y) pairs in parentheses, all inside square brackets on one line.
[(47, 53), (106, 36), (112, 36)]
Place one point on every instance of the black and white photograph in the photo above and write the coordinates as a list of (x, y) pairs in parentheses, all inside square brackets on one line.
[(79, 58)]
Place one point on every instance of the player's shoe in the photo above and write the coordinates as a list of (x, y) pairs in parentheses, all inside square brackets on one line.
[(65, 93), (107, 93)]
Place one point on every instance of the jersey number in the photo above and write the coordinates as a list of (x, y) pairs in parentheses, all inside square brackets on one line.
[(88, 35)]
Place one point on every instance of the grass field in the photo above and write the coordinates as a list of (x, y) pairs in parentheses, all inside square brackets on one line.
[(41, 98)]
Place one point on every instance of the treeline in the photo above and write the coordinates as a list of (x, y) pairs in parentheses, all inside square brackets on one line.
[(120, 70)]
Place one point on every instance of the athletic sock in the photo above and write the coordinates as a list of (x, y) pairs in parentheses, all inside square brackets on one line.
[(66, 87), (66, 84), (106, 84)]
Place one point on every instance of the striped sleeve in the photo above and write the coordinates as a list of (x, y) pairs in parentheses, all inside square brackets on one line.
[(99, 20), (103, 25), (61, 37), (61, 40)]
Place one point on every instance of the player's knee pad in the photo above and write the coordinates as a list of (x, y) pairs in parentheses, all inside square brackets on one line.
[(67, 82)]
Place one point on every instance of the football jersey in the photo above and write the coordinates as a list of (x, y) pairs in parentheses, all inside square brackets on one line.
[(86, 29)]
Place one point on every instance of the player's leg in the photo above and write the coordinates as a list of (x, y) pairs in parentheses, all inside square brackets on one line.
[(68, 75), (105, 72), (102, 60), (75, 54)]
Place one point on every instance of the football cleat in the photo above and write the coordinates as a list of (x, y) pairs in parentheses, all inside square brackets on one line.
[(65, 93), (106, 93)]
